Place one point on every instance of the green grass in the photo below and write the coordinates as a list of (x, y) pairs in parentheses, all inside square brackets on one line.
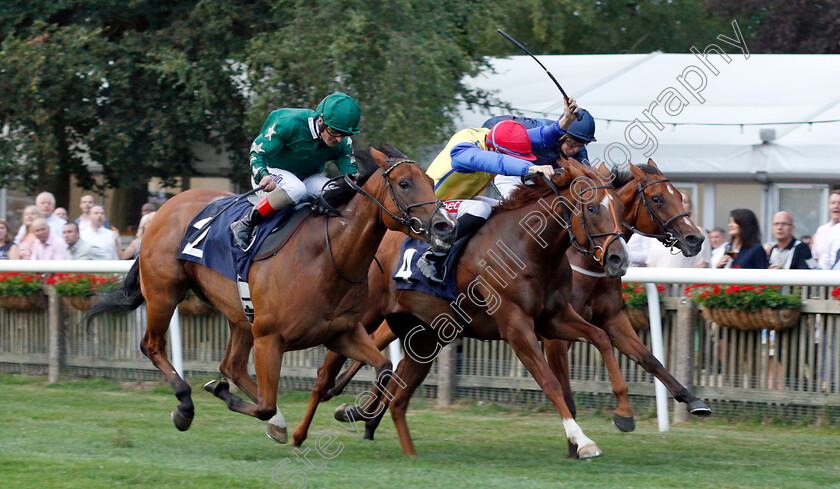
[(94, 433)]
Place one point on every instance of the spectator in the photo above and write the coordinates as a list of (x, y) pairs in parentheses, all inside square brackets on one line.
[(662, 257), (26, 239), (147, 208), (133, 249), (788, 253), (85, 203), (98, 235), (48, 246), (8, 250), (806, 238), (639, 247), (744, 249), (79, 249), (717, 241), (46, 204), (61, 212), (826, 233)]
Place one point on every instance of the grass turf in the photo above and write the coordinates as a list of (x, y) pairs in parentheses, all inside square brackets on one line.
[(96, 433)]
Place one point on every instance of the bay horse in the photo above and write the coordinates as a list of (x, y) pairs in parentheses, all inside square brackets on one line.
[(653, 208), (512, 299), (300, 295)]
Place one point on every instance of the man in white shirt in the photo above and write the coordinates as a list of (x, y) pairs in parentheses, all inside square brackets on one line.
[(717, 241), (100, 236), (828, 232), (45, 202), (79, 249)]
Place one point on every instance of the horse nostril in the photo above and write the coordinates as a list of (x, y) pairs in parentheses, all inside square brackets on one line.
[(443, 228), (693, 240)]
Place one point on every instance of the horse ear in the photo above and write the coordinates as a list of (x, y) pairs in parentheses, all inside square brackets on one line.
[(378, 156), (651, 163), (605, 171), (638, 173)]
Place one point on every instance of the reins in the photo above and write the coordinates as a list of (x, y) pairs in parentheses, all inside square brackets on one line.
[(667, 238), (403, 207)]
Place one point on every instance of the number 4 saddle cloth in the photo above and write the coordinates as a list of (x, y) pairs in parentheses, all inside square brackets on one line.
[(409, 277)]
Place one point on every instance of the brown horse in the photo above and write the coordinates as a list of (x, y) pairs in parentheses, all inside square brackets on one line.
[(653, 207), (512, 289), (300, 295)]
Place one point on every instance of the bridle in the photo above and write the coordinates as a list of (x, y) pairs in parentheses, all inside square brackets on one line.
[(403, 208), (667, 238), (592, 251)]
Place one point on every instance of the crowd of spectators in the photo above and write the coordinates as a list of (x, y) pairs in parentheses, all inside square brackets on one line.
[(48, 233)]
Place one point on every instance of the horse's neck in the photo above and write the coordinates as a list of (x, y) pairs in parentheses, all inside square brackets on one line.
[(355, 236), (631, 198)]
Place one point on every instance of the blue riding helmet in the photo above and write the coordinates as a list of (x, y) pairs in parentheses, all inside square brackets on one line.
[(583, 129)]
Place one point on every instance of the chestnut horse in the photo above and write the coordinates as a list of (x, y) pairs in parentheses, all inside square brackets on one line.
[(653, 208), (300, 295), (512, 289)]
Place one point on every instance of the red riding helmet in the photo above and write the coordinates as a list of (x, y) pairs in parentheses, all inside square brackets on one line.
[(511, 137)]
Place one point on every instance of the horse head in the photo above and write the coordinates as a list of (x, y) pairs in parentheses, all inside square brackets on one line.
[(407, 198), (656, 210), (597, 216)]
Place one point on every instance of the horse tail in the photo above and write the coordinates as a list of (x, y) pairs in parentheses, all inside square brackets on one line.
[(128, 298)]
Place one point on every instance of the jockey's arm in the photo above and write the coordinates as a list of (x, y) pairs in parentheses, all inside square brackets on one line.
[(345, 163), (469, 158)]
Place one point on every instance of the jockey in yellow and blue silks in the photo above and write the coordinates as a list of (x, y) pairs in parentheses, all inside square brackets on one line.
[(289, 154), (468, 163), (571, 144)]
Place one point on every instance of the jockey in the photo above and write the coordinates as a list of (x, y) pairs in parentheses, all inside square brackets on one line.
[(289, 154), (467, 164), (572, 143)]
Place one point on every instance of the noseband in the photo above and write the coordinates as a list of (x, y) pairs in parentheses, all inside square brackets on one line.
[(402, 206), (667, 238)]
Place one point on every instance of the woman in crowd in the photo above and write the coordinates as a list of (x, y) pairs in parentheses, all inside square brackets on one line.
[(744, 249), (30, 213), (8, 249), (133, 249)]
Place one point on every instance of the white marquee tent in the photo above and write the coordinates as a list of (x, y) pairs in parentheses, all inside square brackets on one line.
[(745, 95)]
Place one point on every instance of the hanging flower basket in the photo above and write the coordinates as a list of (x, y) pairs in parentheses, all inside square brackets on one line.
[(30, 302), (639, 318), (747, 307), (79, 302), (194, 305), (635, 304)]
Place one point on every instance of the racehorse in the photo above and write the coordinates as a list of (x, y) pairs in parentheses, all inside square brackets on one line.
[(653, 208), (515, 283), (300, 295)]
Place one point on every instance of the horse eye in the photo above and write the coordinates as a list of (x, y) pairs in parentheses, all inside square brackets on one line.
[(656, 199), (403, 184), (591, 208)]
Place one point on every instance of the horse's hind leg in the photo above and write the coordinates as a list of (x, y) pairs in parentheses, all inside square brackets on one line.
[(326, 373), (160, 307)]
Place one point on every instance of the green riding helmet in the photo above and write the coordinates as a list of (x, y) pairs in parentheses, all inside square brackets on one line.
[(341, 112)]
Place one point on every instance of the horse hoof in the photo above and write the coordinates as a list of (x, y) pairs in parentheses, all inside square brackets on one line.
[(699, 408), (624, 424), (277, 433), (346, 413), (589, 451), (181, 421), (215, 386)]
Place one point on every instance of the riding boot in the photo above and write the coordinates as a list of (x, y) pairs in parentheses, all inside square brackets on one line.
[(429, 264), (468, 224), (243, 229)]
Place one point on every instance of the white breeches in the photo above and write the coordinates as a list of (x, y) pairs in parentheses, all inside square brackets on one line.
[(294, 187), (479, 206)]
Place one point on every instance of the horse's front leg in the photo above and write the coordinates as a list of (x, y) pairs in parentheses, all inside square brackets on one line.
[(326, 373), (381, 338), (567, 324), (518, 331), (557, 354), (624, 338)]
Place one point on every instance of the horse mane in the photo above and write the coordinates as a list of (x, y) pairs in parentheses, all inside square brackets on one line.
[(526, 194), (621, 175), (339, 191)]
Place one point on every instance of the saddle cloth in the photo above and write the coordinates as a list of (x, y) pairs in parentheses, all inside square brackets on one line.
[(409, 277)]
